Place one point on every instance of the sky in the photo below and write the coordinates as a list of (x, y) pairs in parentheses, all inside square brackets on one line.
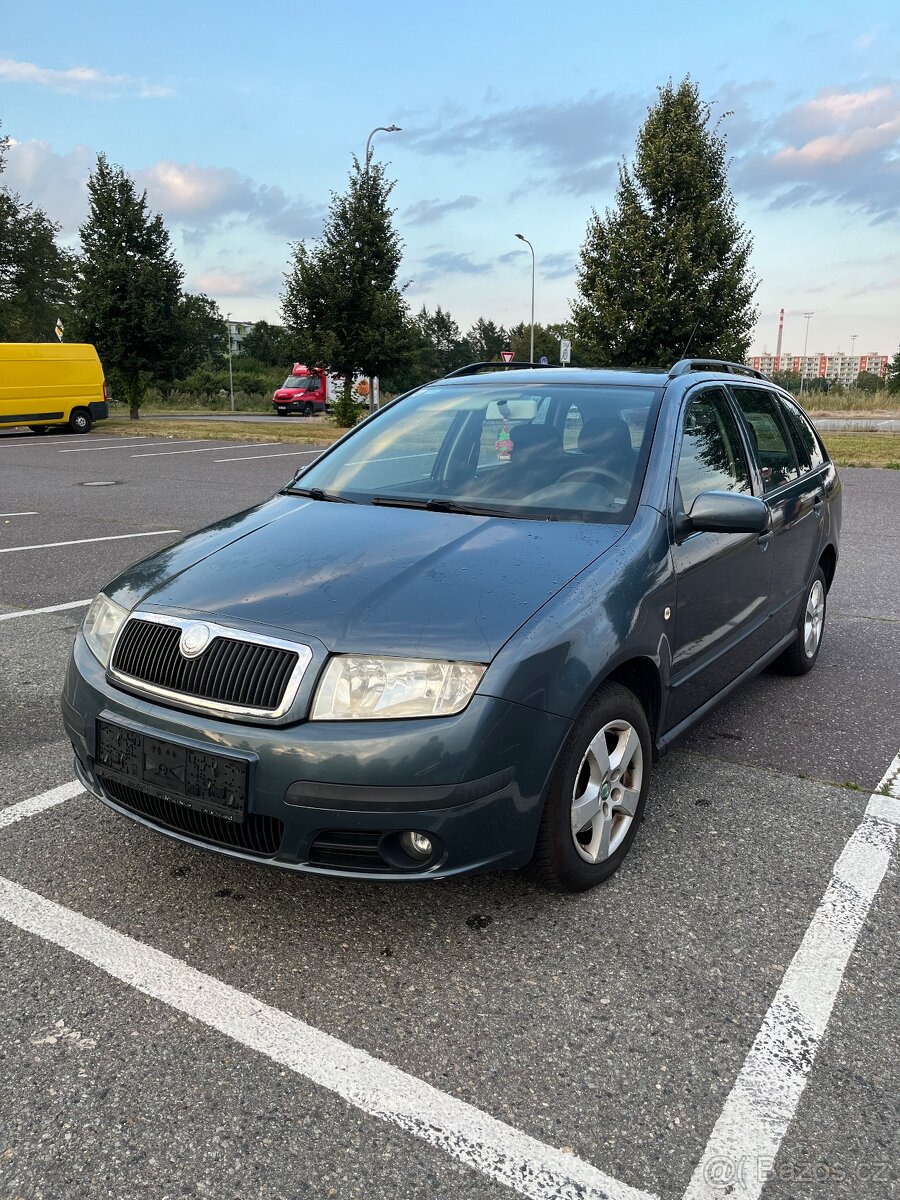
[(239, 120)]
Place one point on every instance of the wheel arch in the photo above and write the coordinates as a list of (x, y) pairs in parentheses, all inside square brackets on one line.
[(828, 563), (641, 676)]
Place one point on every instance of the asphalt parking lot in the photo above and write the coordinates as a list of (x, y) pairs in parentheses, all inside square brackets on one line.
[(718, 1020)]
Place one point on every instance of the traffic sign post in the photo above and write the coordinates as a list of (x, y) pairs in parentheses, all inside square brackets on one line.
[(565, 351)]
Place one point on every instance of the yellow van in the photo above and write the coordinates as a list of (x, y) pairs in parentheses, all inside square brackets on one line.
[(42, 384)]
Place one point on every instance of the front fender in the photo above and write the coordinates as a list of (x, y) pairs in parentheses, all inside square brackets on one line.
[(612, 612)]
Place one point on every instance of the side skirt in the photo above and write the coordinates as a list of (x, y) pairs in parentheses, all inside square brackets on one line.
[(665, 740)]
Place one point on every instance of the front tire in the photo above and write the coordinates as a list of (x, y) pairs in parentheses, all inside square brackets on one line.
[(308, 410), (80, 420), (800, 657), (39, 428), (597, 794)]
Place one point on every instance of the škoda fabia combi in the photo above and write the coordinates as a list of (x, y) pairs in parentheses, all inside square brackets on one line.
[(458, 639)]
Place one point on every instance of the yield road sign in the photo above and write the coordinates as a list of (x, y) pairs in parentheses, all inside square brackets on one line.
[(507, 355)]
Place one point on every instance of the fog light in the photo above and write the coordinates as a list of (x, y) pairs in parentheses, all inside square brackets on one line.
[(416, 845)]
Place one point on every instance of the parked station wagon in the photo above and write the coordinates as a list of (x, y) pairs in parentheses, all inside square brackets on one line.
[(458, 640)]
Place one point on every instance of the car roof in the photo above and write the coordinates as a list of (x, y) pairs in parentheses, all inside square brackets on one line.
[(564, 375)]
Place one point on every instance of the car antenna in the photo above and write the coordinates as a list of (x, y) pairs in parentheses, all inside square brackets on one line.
[(687, 344)]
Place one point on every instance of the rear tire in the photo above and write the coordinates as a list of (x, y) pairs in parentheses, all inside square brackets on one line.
[(800, 657), (597, 793), (39, 428), (80, 420)]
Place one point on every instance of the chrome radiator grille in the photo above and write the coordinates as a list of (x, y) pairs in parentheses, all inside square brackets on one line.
[(236, 673)]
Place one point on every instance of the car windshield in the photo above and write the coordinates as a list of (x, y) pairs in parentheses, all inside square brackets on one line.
[(303, 383), (541, 451)]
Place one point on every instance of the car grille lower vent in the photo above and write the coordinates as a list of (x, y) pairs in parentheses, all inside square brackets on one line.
[(348, 850), (244, 674), (258, 834)]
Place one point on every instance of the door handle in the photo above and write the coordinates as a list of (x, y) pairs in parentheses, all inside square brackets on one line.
[(818, 504)]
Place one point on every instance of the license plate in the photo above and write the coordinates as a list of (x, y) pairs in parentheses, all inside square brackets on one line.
[(211, 783)]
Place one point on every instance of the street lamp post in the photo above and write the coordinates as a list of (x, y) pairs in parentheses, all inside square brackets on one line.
[(230, 373), (378, 129), (524, 239), (807, 317)]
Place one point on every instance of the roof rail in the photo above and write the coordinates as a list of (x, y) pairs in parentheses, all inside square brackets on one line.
[(478, 367), (684, 365)]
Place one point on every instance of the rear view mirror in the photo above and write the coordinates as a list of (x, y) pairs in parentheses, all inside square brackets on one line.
[(723, 512), (511, 410)]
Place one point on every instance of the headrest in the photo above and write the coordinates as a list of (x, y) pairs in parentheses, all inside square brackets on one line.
[(534, 437), (606, 437)]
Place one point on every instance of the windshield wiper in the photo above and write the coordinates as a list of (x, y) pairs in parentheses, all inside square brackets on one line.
[(437, 504), (318, 494)]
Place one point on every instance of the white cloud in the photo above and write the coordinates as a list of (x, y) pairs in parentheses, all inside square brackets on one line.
[(244, 284), (199, 197), (54, 182), (78, 80), (843, 145), (196, 198)]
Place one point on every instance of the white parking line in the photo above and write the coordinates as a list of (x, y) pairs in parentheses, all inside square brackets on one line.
[(202, 450), (52, 608), (37, 804), (741, 1150), (250, 457), (69, 438), (112, 537), (22, 514), (474, 1137), (158, 442)]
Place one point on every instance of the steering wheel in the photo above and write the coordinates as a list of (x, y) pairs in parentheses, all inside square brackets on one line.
[(600, 474)]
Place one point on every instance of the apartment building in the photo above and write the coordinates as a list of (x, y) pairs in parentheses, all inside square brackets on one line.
[(839, 367)]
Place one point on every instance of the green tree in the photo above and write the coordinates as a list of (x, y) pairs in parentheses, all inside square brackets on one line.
[(893, 374), (669, 263), (269, 345), (35, 271), (486, 339), (340, 300), (546, 342), (443, 347), (202, 335), (867, 381), (789, 380), (128, 293)]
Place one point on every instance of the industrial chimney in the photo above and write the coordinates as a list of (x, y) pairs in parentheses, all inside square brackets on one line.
[(780, 332)]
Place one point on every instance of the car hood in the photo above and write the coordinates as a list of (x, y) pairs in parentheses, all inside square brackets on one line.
[(370, 579)]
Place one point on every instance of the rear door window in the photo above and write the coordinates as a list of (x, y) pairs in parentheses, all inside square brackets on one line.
[(809, 449), (712, 457), (768, 432)]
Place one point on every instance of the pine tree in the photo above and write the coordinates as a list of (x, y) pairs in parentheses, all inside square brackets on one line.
[(671, 259), (128, 293), (340, 299)]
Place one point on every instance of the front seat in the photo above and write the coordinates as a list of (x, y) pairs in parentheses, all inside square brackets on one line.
[(537, 457), (606, 442)]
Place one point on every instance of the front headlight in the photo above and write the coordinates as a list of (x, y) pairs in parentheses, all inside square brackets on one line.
[(103, 621), (357, 687)]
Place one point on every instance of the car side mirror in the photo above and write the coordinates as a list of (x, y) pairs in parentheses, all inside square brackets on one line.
[(723, 512)]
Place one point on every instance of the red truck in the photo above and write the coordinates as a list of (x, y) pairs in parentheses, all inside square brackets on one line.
[(305, 391)]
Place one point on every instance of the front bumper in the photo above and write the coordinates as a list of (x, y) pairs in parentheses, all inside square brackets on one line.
[(340, 793)]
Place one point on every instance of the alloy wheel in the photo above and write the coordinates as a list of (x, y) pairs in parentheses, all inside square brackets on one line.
[(813, 618), (607, 791)]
